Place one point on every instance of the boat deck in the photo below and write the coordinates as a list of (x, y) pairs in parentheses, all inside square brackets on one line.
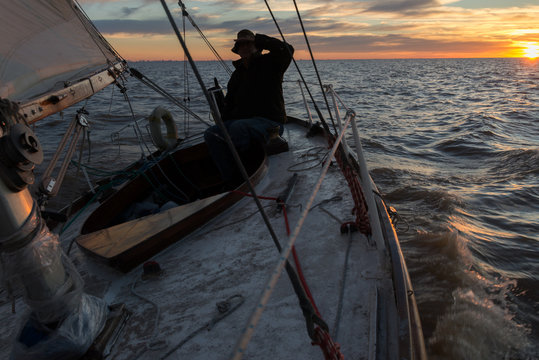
[(232, 257)]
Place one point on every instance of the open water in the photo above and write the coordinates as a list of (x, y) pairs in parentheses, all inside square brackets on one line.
[(453, 145)]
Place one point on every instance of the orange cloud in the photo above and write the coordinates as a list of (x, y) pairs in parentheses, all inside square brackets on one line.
[(337, 29)]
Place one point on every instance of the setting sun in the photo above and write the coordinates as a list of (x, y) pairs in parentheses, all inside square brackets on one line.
[(531, 51)]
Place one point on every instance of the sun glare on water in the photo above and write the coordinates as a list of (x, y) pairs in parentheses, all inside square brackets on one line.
[(531, 51)]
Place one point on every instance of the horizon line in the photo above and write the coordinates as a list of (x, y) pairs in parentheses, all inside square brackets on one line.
[(344, 59)]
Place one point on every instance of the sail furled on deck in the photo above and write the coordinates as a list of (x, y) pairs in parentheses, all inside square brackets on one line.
[(47, 45)]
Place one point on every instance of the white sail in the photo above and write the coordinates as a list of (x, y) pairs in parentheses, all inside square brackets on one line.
[(47, 45)]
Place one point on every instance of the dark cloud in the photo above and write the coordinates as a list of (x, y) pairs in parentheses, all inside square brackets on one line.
[(227, 5), (530, 37), (392, 28), (326, 9), (126, 11), (160, 26), (394, 43), (206, 22), (402, 6), (373, 43), (257, 24)]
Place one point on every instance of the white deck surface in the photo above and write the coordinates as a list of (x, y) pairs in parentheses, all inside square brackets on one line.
[(211, 265)]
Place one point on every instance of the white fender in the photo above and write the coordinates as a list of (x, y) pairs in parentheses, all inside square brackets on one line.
[(163, 142)]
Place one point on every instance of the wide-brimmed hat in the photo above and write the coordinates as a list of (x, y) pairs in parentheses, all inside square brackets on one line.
[(243, 37)]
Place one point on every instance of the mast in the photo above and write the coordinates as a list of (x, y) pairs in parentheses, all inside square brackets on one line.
[(31, 253)]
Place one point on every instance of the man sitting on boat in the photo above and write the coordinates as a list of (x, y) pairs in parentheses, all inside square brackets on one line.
[(254, 106)]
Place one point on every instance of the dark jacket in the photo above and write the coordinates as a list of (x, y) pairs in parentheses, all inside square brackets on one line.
[(257, 90)]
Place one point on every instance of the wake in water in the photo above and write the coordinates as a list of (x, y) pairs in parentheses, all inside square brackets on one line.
[(478, 321), (470, 304), (457, 140)]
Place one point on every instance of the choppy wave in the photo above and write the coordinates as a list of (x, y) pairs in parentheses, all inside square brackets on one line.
[(477, 326), (459, 160), (521, 162), (476, 314)]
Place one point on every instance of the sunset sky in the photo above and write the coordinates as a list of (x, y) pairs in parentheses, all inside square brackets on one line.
[(337, 29)]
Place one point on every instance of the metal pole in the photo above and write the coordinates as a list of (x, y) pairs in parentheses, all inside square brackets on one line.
[(31, 253), (305, 103), (329, 88), (15, 208)]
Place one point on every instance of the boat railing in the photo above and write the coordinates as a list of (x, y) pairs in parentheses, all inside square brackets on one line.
[(358, 154), (364, 175), (406, 305), (300, 84), (329, 89)]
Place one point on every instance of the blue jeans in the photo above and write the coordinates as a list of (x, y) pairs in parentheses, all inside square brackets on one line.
[(243, 133)]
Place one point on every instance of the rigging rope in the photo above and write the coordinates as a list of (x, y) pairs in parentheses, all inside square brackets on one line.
[(210, 46), (95, 33), (183, 196), (314, 62), (324, 124), (317, 328), (186, 92), (345, 165), (50, 185), (116, 178), (152, 85), (305, 305), (321, 336)]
